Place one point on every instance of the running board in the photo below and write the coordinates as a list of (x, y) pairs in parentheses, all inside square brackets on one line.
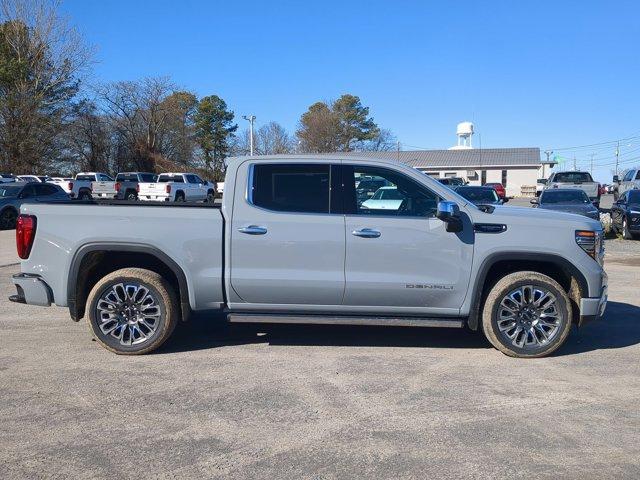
[(345, 320)]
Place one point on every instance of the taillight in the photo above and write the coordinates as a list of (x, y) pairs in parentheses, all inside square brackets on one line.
[(117, 186), (168, 188), (25, 234), (70, 186)]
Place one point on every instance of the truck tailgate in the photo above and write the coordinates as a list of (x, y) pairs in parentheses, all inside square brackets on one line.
[(190, 236), (103, 189)]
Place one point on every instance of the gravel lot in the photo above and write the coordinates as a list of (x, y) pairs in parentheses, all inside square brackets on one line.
[(318, 402)]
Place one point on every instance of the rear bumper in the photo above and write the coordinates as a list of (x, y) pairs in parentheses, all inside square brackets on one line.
[(104, 195), (32, 290), (154, 198)]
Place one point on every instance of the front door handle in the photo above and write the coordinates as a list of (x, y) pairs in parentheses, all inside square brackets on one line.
[(366, 233), (253, 230)]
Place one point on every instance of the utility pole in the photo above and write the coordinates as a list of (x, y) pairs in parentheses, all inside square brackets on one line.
[(398, 150), (617, 155), (250, 119), (575, 168), (591, 165)]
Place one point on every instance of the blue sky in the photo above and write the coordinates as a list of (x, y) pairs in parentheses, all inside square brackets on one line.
[(536, 73)]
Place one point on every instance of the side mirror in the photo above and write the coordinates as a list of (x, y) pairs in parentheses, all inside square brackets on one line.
[(542, 181), (534, 201), (449, 213), (616, 179), (505, 199)]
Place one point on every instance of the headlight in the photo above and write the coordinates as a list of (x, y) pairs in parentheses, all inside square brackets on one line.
[(636, 212), (591, 242)]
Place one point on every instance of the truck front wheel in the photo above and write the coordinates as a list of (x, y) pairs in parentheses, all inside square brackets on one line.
[(132, 311), (527, 315)]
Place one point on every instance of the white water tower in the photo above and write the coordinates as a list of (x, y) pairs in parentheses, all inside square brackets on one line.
[(464, 133)]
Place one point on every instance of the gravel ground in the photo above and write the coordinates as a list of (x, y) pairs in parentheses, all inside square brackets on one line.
[(318, 401)]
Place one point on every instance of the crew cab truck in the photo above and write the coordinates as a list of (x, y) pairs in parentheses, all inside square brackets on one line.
[(81, 187), (581, 180), (125, 186), (177, 187), (291, 243), (630, 181)]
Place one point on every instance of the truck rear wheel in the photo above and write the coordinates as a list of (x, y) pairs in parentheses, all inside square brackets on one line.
[(132, 311), (527, 315)]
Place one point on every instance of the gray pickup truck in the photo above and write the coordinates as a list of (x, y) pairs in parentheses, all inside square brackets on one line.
[(579, 180), (293, 243)]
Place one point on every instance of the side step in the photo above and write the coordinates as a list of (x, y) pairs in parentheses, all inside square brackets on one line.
[(345, 320)]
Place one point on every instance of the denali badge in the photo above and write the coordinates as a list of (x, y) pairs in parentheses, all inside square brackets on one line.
[(429, 286)]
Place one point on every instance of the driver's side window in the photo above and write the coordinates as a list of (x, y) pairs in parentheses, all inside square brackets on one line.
[(380, 191)]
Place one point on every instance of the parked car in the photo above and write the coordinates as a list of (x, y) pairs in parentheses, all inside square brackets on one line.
[(452, 181), (125, 186), (570, 200), (385, 198), (177, 187), (14, 194), (630, 181), (499, 188), (540, 184), (291, 244), (66, 184), (83, 182), (611, 189), (32, 178), (625, 214), (480, 195), (578, 180), (367, 186), (219, 188), (7, 178)]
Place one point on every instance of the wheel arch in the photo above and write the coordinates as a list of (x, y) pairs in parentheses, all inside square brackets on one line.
[(499, 264), (90, 263)]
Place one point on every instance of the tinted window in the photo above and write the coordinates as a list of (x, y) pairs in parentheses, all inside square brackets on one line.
[(9, 191), (291, 187), (146, 177), (29, 191), (478, 194), (634, 196), (638, 175), (86, 178), (573, 177), (563, 196), (170, 178), (627, 176), (105, 178), (44, 189), (401, 196)]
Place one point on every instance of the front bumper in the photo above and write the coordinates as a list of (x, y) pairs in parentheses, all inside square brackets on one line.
[(593, 308), (32, 290)]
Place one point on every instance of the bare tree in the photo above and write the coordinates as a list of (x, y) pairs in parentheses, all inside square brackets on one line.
[(384, 141), (273, 139), (87, 139), (42, 59), (140, 114)]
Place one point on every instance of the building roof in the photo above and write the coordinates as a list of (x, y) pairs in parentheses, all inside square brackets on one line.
[(472, 157)]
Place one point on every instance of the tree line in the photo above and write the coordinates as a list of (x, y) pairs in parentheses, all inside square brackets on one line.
[(54, 120)]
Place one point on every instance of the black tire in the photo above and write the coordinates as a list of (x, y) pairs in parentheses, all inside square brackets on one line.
[(530, 323), (163, 313), (211, 196), (131, 196), (84, 195), (180, 197), (8, 218), (626, 233)]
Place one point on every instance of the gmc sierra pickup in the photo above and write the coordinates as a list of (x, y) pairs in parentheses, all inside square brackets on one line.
[(294, 243)]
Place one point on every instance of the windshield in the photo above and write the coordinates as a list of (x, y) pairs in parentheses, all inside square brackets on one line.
[(563, 196), (9, 191), (147, 177), (634, 196), (388, 194), (573, 177), (478, 194), (86, 178)]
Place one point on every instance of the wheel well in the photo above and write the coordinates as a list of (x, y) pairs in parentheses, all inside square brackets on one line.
[(179, 192), (569, 280), (96, 264)]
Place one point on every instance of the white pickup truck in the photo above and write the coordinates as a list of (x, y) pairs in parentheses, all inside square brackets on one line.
[(629, 181), (80, 187), (574, 179), (177, 187), (292, 243)]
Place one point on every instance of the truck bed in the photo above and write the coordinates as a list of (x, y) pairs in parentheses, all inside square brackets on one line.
[(189, 234)]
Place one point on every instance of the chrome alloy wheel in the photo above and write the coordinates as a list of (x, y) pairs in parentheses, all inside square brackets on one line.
[(130, 313), (528, 317)]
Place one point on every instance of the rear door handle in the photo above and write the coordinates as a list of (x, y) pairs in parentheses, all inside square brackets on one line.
[(366, 233), (253, 230)]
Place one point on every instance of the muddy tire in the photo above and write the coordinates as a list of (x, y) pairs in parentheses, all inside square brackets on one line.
[(132, 311), (527, 315)]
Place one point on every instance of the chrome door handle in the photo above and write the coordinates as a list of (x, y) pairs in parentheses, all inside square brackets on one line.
[(366, 233), (253, 230)]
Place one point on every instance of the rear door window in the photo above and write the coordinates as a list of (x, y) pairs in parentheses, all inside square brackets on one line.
[(291, 187), (573, 177)]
